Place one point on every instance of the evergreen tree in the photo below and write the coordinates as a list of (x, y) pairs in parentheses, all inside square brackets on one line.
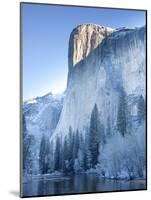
[(141, 109), (86, 153), (50, 158), (44, 155), (82, 153), (88, 158), (70, 143), (24, 127), (85, 166), (108, 131), (28, 142), (24, 143), (75, 145), (129, 123), (122, 113), (93, 139), (102, 137), (70, 150), (65, 155), (57, 164)]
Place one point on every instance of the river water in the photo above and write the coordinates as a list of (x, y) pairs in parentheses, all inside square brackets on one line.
[(79, 183)]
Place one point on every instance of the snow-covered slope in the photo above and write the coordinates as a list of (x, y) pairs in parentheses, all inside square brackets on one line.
[(101, 62), (42, 114)]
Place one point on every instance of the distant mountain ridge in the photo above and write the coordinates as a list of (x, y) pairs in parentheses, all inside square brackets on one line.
[(43, 112)]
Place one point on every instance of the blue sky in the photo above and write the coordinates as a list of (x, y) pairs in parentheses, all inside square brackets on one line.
[(46, 31)]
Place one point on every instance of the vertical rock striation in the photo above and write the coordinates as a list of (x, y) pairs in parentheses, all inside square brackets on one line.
[(101, 62), (83, 40)]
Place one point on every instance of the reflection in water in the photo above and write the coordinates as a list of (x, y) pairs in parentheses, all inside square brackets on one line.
[(80, 183)]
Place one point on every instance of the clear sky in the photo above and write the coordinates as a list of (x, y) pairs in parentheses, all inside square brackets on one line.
[(46, 30)]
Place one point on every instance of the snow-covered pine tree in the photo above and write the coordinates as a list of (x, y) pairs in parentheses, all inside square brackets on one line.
[(57, 159), (65, 155), (82, 153), (122, 113), (141, 107), (28, 142), (70, 150), (44, 155), (93, 139), (51, 157), (24, 143), (48, 155), (108, 131), (75, 145), (101, 134)]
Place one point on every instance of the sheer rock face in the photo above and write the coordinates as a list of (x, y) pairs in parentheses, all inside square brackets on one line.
[(101, 61), (83, 40)]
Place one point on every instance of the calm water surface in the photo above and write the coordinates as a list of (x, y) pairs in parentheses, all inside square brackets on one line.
[(80, 183)]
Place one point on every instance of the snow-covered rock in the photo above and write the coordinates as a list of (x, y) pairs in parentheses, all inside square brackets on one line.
[(101, 61), (41, 117), (42, 114)]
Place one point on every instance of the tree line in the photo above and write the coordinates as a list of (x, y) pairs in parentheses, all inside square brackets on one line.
[(78, 152)]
